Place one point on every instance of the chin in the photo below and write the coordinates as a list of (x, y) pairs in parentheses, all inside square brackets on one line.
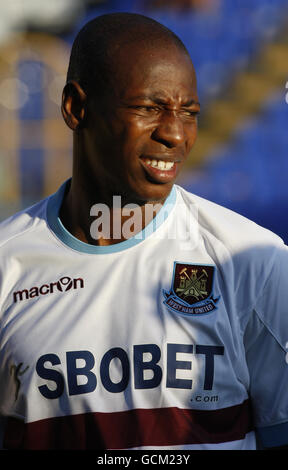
[(154, 192)]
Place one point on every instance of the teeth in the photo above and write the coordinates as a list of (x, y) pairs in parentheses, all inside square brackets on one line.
[(169, 165), (160, 164)]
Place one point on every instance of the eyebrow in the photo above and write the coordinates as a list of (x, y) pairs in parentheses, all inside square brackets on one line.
[(158, 100), (191, 102)]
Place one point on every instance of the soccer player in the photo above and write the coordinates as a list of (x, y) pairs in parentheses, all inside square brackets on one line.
[(134, 314)]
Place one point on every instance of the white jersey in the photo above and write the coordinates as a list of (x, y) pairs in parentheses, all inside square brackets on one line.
[(173, 339)]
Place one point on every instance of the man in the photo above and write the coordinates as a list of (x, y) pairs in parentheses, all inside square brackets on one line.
[(164, 329)]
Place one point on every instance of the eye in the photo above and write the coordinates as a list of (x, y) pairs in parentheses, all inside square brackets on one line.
[(146, 109), (190, 113), (149, 109)]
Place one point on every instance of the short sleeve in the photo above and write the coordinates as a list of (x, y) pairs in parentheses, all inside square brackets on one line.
[(266, 344)]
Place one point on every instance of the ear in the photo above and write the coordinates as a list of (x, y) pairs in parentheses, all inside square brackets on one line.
[(73, 106)]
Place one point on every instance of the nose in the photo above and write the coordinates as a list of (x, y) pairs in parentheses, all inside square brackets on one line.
[(170, 130)]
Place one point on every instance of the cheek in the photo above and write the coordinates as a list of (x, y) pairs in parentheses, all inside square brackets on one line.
[(135, 140), (191, 136)]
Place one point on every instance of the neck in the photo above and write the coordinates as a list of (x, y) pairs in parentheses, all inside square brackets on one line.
[(95, 214), (101, 218)]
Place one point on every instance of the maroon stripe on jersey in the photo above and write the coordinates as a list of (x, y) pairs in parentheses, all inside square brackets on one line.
[(133, 428)]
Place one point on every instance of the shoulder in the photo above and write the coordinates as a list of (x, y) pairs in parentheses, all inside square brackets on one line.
[(22, 224), (235, 231), (251, 259)]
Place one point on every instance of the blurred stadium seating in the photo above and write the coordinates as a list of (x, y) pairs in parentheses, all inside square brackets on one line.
[(249, 174), (238, 48)]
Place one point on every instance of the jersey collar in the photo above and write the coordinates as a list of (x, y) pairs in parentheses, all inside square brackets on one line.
[(54, 221)]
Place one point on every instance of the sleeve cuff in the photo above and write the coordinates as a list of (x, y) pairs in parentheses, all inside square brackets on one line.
[(273, 436)]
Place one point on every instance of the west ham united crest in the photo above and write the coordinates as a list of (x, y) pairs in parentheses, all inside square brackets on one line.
[(191, 290)]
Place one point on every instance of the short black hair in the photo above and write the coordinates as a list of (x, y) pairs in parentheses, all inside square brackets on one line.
[(90, 59)]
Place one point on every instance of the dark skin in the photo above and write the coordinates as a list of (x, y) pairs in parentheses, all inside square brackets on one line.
[(154, 117), (115, 137)]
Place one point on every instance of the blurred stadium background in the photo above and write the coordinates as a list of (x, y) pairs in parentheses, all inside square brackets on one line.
[(240, 51)]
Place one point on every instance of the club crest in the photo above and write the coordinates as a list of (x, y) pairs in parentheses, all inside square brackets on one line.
[(191, 290)]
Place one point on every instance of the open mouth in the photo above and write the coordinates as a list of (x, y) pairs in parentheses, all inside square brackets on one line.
[(160, 171), (159, 164)]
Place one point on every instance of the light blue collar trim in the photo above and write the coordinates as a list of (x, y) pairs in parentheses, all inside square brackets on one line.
[(53, 208)]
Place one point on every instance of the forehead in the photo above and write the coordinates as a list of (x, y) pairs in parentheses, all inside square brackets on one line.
[(139, 68)]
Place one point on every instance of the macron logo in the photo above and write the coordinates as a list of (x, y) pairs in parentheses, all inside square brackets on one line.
[(63, 285)]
